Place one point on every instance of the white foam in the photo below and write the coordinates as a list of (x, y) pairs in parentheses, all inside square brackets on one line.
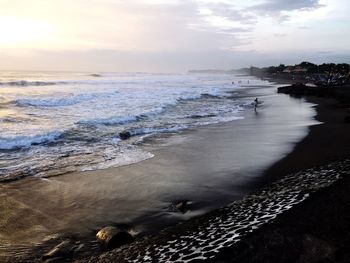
[(26, 141), (143, 131), (93, 110), (111, 121), (121, 158), (62, 101)]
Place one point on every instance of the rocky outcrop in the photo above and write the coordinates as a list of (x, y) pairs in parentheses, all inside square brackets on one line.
[(124, 135), (112, 237), (299, 89), (340, 93)]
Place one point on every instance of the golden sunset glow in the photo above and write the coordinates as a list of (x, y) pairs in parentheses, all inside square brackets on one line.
[(139, 34), (20, 31)]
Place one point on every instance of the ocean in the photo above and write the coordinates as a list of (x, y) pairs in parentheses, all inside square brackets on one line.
[(52, 123), (194, 137)]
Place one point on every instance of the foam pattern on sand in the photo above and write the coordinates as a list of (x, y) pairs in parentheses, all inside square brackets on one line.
[(228, 225)]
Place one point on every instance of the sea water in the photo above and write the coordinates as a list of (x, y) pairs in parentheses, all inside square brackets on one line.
[(56, 122)]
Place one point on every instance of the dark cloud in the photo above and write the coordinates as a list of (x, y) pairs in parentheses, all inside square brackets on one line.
[(277, 6), (230, 12), (274, 8)]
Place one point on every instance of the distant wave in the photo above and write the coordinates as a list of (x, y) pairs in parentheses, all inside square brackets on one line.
[(27, 83), (13, 119), (59, 102), (200, 116), (120, 120), (96, 75), (98, 80), (27, 141)]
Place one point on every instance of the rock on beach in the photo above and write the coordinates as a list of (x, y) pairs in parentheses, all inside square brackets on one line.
[(112, 237)]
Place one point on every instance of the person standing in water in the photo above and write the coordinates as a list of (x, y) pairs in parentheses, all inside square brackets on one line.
[(256, 103)]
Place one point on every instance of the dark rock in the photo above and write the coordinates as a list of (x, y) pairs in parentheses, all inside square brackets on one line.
[(295, 89), (300, 89), (111, 237), (182, 206), (208, 96), (63, 250), (124, 135)]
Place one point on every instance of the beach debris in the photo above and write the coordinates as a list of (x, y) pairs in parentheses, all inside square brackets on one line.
[(59, 253), (124, 135), (112, 237)]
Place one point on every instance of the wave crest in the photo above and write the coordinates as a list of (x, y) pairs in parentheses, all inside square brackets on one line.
[(61, 102), (27, 141), (27, 83)]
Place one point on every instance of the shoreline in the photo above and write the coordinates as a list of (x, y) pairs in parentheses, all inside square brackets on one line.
[(324, 143), (294, 161), (316, 230), (210, 155)]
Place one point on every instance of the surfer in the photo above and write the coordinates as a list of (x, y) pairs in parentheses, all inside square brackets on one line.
[(256, 103)]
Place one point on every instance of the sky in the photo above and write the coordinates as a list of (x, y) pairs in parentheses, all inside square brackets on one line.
[(170, 35)]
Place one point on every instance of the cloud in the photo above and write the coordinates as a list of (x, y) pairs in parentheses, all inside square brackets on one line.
[(250, 14), (233, 13), (282, 10), (174, 35), (278, 6)]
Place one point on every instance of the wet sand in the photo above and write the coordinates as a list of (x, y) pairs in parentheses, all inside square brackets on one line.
[(315, 230), (326, 142), (210, 166), (229, 234)]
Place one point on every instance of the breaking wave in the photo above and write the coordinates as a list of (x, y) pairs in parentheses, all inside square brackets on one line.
[(27, 141), (28, 83), (60, 102)]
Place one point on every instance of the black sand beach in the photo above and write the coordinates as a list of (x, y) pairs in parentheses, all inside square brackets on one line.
[(316, 230), (324, 143), (210, 167)]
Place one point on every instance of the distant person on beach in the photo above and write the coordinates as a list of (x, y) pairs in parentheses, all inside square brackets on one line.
[(256, 103)]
